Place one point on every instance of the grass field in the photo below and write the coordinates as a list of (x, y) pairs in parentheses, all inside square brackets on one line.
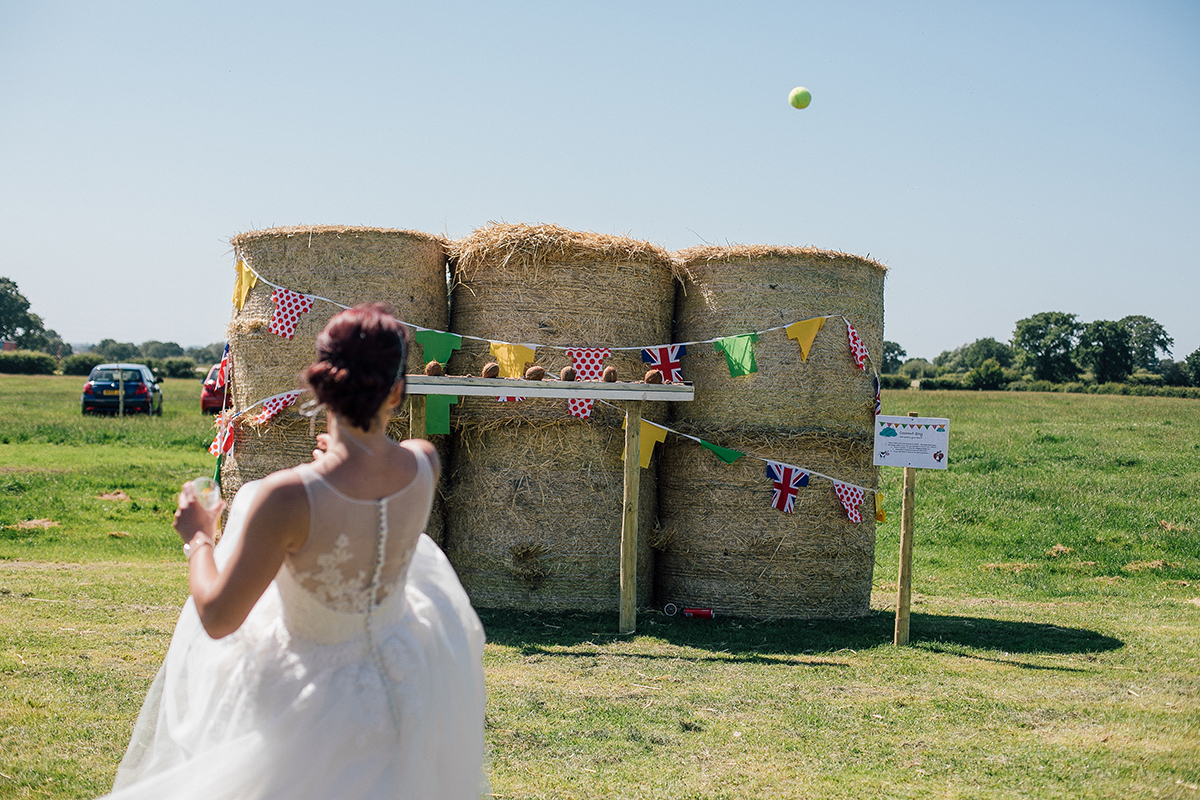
[(1055, 636)]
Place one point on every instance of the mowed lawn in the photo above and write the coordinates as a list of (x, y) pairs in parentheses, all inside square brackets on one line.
[(1055, 637)]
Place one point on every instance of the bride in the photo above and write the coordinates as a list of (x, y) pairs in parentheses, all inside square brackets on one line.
[(328, 649)]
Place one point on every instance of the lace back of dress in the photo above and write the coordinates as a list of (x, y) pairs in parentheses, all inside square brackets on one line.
[(355, 558)]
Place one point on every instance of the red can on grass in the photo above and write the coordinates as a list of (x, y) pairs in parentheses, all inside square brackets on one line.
[(698, 613)]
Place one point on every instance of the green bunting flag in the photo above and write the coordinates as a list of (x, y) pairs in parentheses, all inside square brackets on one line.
[(739, 353), (723, 453), (437, 345), (437, 412)]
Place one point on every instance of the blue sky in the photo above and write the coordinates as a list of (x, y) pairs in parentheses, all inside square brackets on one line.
[(1002, 159)]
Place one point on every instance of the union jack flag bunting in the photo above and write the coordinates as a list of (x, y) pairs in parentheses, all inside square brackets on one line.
[(788, 480), (666, 360), (223, 371)]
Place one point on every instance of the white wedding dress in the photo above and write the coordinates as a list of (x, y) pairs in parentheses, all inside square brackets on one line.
[(358, 674)]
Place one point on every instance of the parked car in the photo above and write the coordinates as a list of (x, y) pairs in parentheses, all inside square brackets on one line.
[(102, 392), (212, 397)]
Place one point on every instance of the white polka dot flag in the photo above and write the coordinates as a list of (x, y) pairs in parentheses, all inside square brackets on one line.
[(289, 306), (857, 348), (273, 405), (851, 497), (589, 366)]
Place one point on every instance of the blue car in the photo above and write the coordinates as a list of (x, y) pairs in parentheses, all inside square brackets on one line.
[(102, 392)]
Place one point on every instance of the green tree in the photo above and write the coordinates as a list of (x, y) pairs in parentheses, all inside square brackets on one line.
[(893, 357), (971, 356), (1191, 365), (1106, 347), (117, 351), (918, 368), (47, 341), (153, 349), (989, 376), (15, 317), (1147, 339), (210, 354), (1044, 344)]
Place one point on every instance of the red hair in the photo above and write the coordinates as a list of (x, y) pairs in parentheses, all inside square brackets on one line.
[(360, 357)]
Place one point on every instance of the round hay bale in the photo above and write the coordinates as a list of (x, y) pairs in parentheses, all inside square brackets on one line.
[(348, 265), (742, 289), (723, 546), (534, 516), (546, 285)]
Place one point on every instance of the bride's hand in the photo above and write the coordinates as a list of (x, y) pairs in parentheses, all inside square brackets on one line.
[(322, 446), (192, 518)]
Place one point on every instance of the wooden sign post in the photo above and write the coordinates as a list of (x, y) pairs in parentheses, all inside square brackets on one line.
[(914, 443), (633, 393), (904, 580)]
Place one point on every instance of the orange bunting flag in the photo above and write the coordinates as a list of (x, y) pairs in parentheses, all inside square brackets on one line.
[(880, 514), (804, 332)]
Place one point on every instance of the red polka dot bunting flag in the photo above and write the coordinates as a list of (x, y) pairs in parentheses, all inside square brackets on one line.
[(857, 348), (273, 405), (224, 441), (851, 497), (589, 366), (289, 306)]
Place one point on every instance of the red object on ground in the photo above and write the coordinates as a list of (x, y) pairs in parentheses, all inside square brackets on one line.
[(698, 613)]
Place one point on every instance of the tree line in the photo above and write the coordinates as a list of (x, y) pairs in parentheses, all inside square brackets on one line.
[(1054, 347), (19, 324)]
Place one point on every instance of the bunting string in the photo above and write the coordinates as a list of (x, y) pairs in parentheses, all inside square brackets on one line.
[(795, 330)]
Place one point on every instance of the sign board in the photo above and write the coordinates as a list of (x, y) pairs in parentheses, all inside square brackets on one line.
[(922, 442)]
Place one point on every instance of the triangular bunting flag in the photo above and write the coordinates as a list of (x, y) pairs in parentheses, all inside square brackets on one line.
[(243, 283), (723, 453), (273, 405), (223, 370), (851, 497), (739, 353), (804, 332), (788, 480), (857, 348), (880, 514), (588, 364), (652, 434), (878, 397), (437, 345), (289, 306), (223, 443), (437, 412)]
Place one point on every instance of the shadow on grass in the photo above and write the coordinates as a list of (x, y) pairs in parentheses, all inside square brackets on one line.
[(743, 639)]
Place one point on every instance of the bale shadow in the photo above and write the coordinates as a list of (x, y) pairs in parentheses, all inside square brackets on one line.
[(732, 638)]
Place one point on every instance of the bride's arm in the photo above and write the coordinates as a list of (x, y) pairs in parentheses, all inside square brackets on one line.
[(276, 524)]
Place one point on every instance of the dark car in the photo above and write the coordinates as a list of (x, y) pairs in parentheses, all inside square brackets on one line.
[(212, 397), (102, 392)]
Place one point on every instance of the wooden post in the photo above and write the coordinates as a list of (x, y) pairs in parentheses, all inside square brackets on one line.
[(416, 416), (904, 581), (629, 518), (121, 391)]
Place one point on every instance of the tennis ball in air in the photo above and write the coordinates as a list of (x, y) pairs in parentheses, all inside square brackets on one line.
[(799, 97)]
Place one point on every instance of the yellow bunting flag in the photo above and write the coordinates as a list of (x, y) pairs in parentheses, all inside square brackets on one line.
[(244, 283), (880, 514), (650, 433), (512, 359), (804, 332)]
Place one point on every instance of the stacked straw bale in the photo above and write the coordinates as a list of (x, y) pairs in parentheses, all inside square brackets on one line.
[(534, 519), (722, 545), (348, 265), (744, 288)]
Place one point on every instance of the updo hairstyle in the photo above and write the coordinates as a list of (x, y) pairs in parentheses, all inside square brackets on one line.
[(360, 357)]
